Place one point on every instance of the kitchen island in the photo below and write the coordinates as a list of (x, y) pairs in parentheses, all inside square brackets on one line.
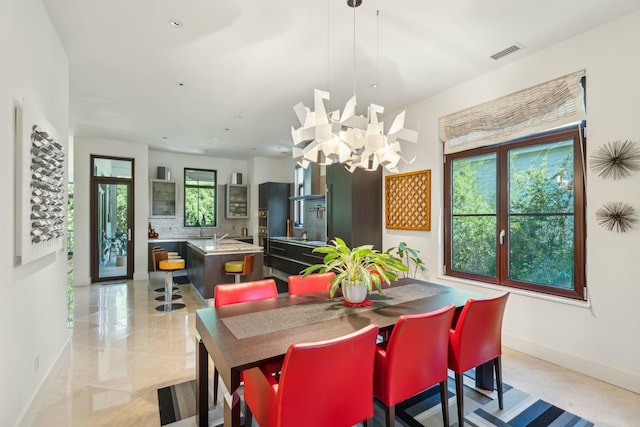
[(207, 258)]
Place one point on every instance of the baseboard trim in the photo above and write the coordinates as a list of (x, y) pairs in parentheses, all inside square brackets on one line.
[(141, 276), (607, 373), (29, 413)]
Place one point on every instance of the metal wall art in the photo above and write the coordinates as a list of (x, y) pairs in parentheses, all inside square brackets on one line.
[(617, 215), (617, 159), (408, 200), (40, 186)]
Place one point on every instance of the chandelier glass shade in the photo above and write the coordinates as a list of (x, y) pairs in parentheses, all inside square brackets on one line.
[(350, 139)]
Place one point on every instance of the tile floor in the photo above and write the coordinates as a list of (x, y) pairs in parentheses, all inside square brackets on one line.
[(123, 350)]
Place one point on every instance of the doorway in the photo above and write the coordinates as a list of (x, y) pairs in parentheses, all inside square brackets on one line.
[(112, 245)]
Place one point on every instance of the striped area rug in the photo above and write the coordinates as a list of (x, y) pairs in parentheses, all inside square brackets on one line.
[(177, 402)]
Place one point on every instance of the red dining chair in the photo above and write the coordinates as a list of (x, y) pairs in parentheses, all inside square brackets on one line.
[(299, 284), (477, 339), (414, 359), (323, 383), (233, 293)]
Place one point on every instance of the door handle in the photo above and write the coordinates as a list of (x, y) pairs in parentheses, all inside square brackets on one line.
[(502, 234), (129, 234)]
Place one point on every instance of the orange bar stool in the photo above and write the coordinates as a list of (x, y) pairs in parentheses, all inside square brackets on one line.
[(240, 268), (158, 254), (169, 266)]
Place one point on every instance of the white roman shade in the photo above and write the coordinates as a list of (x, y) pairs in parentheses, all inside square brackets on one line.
[(548, 105)]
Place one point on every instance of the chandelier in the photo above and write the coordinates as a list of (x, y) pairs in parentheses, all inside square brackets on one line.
[(350, 139)]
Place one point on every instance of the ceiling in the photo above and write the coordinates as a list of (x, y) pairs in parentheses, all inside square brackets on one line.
[(224, 82)]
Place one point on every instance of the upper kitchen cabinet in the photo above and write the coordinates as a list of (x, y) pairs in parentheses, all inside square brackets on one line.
[(354, 206), (237, 201), (273, 201), (162, 199)]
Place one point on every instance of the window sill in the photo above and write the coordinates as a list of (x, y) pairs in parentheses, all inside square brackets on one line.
[(522, 292)]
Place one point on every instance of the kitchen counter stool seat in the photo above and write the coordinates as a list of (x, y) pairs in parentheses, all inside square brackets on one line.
[(169, 266), (156, 260), (240, 268)]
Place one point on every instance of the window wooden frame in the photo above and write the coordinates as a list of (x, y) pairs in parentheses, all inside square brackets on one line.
[(502, 180), (213, 186)]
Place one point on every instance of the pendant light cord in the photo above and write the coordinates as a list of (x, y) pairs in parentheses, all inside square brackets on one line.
[(378, 55), (354, 49), (328, 46)]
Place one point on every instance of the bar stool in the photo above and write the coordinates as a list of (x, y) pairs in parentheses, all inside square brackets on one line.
[(156, 259), (240, 268), (170, 293), (169, 266)]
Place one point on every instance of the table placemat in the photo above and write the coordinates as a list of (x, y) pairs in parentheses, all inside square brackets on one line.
[(278, 319)]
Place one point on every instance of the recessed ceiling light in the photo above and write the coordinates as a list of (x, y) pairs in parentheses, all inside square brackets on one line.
[(238, 117), (175, 23), (180, 84), (374, 85)]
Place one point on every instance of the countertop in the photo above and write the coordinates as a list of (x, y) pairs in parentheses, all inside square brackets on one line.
[(299, 241), (226, 246), (187, 238)]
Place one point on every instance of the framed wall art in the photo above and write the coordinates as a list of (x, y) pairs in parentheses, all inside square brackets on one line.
[(408, 200), (41, 190)]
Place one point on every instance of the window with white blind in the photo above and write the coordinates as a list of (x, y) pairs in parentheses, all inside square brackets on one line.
[(514, 210), (514, 214)]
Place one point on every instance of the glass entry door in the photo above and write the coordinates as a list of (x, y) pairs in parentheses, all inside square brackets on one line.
[(112, 219)]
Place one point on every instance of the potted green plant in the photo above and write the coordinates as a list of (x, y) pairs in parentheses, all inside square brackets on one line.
[(410, 258), (358, 270)]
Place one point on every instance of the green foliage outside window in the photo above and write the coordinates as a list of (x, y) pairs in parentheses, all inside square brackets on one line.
[(122, 208), (474, 215), (199, 198), (540, 222), (541, 226)]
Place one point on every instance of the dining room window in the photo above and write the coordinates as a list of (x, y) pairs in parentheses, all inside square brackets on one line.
[(515, 213), (200, 198)]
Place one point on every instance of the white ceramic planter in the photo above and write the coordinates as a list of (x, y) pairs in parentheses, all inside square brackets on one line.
[(354, 293)]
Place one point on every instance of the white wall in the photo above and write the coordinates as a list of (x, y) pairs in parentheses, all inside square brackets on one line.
[(83, 149), (33, 319), (601, 339), (267, 170), (177, 163)]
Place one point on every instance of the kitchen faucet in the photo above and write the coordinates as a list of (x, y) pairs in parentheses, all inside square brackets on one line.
[(202, 224), (217, 239)]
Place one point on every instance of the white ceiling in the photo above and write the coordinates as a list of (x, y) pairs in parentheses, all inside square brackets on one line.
[(137, 78)]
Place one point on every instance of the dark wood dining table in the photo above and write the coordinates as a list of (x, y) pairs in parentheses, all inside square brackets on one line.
[(241, 336)]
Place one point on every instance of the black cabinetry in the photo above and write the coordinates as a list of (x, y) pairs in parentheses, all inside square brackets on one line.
[(273, 204), (293, 257), (354, 206), (274, 196)]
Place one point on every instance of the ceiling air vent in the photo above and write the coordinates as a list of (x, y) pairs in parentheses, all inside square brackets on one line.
[(508, 51)]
